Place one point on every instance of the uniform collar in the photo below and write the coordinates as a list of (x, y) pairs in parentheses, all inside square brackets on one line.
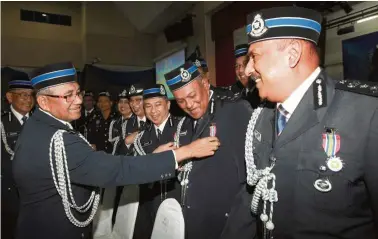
[(162, 125), (18, 115), (127, 118), (88, 112), (62, 121), (291, 103)]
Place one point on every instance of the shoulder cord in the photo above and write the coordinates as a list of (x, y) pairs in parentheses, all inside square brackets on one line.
[(63, 183)]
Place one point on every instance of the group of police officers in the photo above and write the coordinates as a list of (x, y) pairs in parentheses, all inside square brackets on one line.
[(316, 190)]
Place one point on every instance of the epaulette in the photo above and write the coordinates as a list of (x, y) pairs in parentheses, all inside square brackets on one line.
[(4, 113), (233, 98), (359, 87)]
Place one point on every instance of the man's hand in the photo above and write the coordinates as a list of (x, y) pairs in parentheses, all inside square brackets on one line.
[(165, 147), (130, 138), (198, 149)]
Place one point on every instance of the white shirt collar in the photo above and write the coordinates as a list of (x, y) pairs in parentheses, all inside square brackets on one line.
[(128, 117), (291, 103), (62, 121), (18, 115), (162, 125), (141, 119), (87, 112)]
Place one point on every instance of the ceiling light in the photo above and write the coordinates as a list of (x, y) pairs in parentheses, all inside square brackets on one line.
[(367, 19)]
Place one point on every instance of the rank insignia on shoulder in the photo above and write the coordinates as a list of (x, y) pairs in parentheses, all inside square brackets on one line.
[(320, 93), (359, 87)]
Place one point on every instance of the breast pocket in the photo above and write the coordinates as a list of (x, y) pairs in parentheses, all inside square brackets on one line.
[(12, 138), (321, 188)]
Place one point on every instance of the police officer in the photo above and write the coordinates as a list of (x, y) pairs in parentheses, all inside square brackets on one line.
[(209, 186), (21, 99), (89, 112), (312, 158), (58, 174), (160, 130), (99, 124), (244, 85), (137, 122), (117, 128)]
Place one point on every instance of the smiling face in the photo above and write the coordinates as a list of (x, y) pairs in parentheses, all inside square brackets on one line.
[(124, 107), (157, 109), (194, 97), (68, 108), (270, 67), (22, 100), (136, 104), (240, 64)]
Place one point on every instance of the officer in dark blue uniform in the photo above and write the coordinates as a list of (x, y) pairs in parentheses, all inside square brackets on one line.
[(88, 113), (58, 174), (138, 120), (312, 158), (117, 128), (21, 99), (98, 128), (210, 186), (244, 85), (160, 129)]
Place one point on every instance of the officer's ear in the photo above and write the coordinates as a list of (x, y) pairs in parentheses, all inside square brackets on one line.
[(294, 52), (205, 82), (169, 104), (9, 97), (43, 102)]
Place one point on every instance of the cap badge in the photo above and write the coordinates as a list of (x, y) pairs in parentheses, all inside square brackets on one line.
[(258, 26), (162, 90), (132, 89), (185, 75)]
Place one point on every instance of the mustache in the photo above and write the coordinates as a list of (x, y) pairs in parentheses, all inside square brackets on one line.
[(254, 76)]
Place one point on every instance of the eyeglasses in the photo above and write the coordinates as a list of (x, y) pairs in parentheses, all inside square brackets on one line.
[(69, 98), (24, 96)]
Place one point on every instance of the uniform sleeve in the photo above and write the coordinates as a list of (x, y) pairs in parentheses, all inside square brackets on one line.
[(96, 168), (371, 170)]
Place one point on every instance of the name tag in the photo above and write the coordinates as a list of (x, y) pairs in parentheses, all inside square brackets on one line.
[(12, 134), (183, 133)]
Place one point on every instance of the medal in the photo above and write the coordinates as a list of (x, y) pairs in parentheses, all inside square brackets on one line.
[(331, 146), (323, 185), (335, 164), (213, 130)]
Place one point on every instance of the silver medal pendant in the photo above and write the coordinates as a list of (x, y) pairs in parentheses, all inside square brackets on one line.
[(323, 185), (335, 164)]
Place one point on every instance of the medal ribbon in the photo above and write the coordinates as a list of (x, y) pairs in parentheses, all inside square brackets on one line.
[(331, 143)]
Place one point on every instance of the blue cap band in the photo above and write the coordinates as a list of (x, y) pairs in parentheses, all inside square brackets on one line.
[(151, 91), (290, 22), (178, 78), (19, 82), (53, 75)]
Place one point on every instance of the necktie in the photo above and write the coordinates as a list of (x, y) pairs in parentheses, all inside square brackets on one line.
[(141, 125), (281, 119), (24, 119), (159, 134)]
